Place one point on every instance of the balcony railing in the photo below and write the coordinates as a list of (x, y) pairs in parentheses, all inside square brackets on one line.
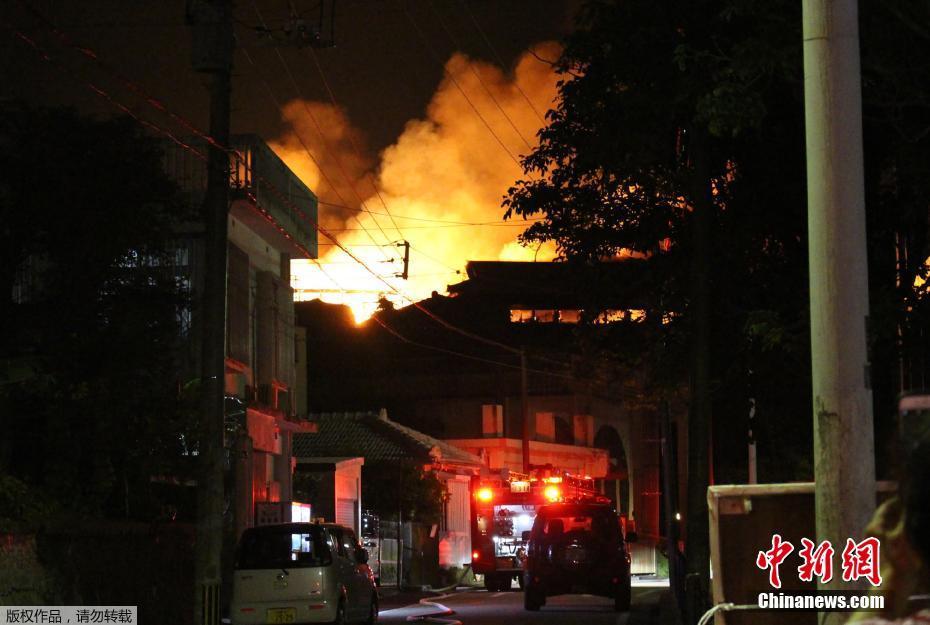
[(257, 176)]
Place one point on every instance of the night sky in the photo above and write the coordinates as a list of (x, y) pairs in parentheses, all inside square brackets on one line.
[(380, 70)]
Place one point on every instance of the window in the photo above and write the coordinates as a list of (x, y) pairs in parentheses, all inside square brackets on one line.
[(238, 324), (569, 316), (545, 316), (348, 545), (273, 547), (612, 316), (558, 521)]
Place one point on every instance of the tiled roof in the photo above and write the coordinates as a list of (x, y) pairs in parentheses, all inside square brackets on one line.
[(374, 437)]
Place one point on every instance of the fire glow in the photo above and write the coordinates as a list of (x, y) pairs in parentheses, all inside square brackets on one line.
[(442, 174)]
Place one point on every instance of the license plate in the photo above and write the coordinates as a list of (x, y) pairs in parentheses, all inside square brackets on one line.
[(281, 615)]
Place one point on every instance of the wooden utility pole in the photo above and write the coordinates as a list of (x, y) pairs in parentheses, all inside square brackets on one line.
[(844, 458), (212, 39)]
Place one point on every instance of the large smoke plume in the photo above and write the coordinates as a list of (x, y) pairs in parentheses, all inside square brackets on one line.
[(448, 167)]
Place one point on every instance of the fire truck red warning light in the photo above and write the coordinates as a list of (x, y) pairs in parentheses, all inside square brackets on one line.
[(505, 508)]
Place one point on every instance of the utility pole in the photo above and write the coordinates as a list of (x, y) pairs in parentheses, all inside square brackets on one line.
[(670, 501), (700, 453), (406, 272), (525, 411), (844, 458), (212, 47), (753, 472)]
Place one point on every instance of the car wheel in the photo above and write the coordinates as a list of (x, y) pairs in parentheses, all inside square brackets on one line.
[(373, 610), (623, 596)]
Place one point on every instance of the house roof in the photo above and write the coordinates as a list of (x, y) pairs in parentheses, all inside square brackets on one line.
[(551, 284), (375, 437)]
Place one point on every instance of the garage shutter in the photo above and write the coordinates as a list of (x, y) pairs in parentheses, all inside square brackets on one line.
[(345, 511)]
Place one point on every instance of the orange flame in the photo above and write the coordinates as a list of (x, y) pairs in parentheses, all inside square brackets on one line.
[(442, 173)]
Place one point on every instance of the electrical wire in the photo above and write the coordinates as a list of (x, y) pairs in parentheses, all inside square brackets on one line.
[(319, 129), (268, 185), (431, 220), (497, 56), (456, 84), (435, 260), (490, 224), (453, 352), (355, 149), (477, 75)]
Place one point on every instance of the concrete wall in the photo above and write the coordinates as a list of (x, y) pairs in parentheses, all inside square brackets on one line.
[(507, 453), (338, 489)]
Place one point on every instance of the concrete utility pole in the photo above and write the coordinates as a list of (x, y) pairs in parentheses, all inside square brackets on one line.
[(844, 459), (212, 46), (525, 412)]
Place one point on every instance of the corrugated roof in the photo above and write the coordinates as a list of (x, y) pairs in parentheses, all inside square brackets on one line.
[(374, 437)]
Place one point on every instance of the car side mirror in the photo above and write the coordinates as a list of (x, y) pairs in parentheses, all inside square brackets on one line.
[(362, 555), (526, 535), (631, 537)]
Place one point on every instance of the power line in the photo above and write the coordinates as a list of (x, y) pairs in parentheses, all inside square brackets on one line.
[(319, 130), (489, 224), (435, 260), (431, 220), (477, 75), (455, 83), (497, 56), (355, 149), (158, 105), (453, 352)]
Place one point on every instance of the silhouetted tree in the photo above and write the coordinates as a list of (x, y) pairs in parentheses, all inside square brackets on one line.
[(678, 134), (90, 403)]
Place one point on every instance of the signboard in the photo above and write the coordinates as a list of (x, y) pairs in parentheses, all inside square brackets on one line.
[(268, 513), (301, 512)]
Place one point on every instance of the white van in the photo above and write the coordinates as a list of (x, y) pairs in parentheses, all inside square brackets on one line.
[(302, 573)]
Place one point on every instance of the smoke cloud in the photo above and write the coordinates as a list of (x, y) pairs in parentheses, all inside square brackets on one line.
[(443, 172)]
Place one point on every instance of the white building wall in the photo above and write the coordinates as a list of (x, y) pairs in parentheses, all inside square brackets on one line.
[(455, 541)]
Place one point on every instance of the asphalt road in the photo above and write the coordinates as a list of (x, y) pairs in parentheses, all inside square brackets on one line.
[(484, 608)]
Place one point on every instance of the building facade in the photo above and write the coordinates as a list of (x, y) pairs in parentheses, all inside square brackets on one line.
[(272, 219)]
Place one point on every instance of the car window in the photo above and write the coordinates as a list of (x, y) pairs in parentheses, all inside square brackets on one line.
[(337, 538), (556, 522), (349, 544), (332, 542), (281, 547)]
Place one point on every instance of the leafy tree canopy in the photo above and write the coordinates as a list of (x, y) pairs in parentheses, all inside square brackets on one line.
[(663, 103), (91, 303)]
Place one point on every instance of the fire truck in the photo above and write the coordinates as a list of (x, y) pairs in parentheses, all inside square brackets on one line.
[(504, 507)]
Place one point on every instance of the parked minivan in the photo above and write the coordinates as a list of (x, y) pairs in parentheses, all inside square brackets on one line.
[(302, 573)]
